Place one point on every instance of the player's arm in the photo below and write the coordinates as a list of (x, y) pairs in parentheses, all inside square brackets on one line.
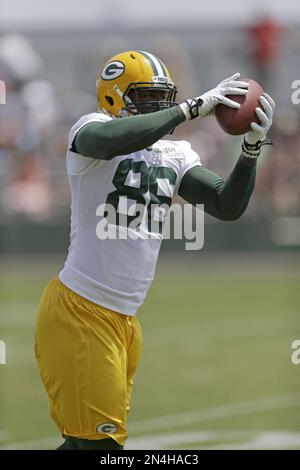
[(227, 200), (105, 140)]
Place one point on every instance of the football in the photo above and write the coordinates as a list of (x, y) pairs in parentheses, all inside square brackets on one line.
[(237, 121)]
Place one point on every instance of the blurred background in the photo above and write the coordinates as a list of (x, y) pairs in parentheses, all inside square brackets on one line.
[(218, 323)]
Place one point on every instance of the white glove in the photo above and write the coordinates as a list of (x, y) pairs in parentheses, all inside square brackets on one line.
[(205, 104), (255, 138), (265, 116)]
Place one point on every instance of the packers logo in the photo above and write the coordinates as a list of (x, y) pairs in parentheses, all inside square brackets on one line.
[(107, 428), (113, 70)]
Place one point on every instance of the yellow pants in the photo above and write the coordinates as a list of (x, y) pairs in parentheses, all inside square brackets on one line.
[(87, 356)]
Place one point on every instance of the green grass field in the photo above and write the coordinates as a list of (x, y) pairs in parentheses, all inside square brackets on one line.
[(216, 368)]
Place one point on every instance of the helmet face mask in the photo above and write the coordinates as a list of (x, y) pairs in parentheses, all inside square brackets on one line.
[(134, 82), (145, 97)]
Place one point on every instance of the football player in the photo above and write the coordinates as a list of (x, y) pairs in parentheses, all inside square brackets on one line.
[(88, 338)]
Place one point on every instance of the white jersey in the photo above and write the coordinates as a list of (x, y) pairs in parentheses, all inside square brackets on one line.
[(116, 272)]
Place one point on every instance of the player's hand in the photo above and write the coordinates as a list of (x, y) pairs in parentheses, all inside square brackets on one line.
[(265, 115), (205, 104), (256, 137)]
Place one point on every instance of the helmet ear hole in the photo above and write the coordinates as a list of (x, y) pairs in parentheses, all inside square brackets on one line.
[(109, 100)]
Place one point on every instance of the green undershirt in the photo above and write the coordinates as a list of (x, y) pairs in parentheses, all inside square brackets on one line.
[(225, 200), (105, 140)]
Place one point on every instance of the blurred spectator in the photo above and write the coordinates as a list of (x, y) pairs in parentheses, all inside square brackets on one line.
[(29, 193), (265, 39), (20, 58)]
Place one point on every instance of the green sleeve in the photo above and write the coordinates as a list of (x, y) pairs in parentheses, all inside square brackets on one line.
[(225, 200), (105, 140)]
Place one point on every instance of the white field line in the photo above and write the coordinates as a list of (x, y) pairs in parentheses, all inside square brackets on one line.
[(35, 444), (179, 420), (215, 413), (162, 441), (264, 440), (200, 440)]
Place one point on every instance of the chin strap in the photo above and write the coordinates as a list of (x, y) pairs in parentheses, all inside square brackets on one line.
[(253, 150)]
